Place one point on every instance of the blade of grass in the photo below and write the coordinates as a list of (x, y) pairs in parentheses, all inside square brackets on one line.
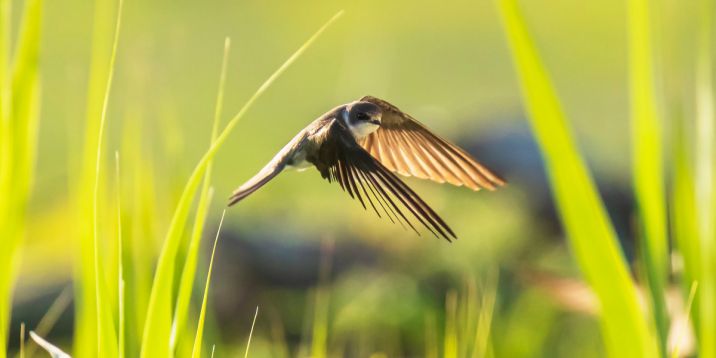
[(251, 333), (157, 328), (139, 187), (49, 347), (19, 115), (484, 321), (687, 312), (319, 331), (120, 268), (22, 340), (450, 342), (647, 158), (705, 200), (48, 321), (196, 352), (683, 209), (189, 270), (589, 231), (5, 99), (87, 332), (106, 338)]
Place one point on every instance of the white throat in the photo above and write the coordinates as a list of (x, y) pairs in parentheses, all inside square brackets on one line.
[(359, 130)]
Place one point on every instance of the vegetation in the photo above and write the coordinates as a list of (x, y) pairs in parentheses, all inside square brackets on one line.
[(136, 229)]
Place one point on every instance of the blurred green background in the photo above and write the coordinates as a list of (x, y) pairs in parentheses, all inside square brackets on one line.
[(386, 290)]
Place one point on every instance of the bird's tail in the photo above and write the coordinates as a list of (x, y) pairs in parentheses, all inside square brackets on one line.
[(253, 184)]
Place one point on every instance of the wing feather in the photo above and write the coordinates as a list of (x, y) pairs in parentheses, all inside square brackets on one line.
[(407, 147), (352, 166)]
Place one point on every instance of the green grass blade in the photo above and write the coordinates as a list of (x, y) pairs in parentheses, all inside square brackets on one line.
[(251, 334), (647, 157), (157, 328), (139, 188), (5, 98), (187, 277), (590, 233), (19, 115), (450, 339), (705, 193), (319, 327), (50, 318), (106, 337), (687, 312), (49, 347), (5, 26), (484, 321), (196, 351), (103, 32), (22, 340), (683, 209), (120, 267)]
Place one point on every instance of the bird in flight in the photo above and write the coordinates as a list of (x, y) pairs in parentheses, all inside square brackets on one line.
[(361, 145)]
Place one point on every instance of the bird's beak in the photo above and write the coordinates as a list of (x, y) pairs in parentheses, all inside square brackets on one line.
[(375, 121)]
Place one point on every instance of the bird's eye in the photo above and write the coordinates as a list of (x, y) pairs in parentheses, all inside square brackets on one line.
[(362, 116)]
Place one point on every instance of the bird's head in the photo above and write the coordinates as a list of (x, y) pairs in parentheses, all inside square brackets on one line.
[(362, 118)]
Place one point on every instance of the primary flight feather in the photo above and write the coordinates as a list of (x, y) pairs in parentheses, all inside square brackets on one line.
[(362, 144)]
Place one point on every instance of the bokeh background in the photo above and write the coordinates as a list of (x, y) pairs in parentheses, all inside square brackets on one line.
[(383, 290)]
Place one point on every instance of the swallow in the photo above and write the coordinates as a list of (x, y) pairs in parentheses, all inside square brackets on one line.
[(362, 145)]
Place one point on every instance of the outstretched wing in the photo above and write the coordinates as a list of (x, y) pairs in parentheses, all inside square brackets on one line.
[(366, 179), (407, 147), (275, 166)]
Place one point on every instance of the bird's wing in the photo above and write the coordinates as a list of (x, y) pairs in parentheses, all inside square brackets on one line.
[(270, 170), (407, 147), (366, 179)]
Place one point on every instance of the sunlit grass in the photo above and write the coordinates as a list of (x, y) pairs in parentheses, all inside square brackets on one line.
[(157, 328), (196, 351), (107, 339), (19, 115), (591, 236), (121, 336), (251, 334), (647, 154), (121, 312), (705, 197), (94, 322), (53, 350), (187, 277)]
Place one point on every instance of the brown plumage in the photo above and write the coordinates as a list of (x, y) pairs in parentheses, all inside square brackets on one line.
[(361, 144), (405, 146)]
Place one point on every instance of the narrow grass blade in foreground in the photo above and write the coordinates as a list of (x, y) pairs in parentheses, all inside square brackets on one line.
[(319, 327), (48, 321), (19, 115), (87, 333), (49, 347), (187, 277), (120, 267), (647, 162), (684, 220), (251, 334), (705, 186), (157, 328), (196, 352), (106, 338), (590, 233)]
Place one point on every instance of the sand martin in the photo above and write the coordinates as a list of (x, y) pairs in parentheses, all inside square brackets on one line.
[(362, 144)]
